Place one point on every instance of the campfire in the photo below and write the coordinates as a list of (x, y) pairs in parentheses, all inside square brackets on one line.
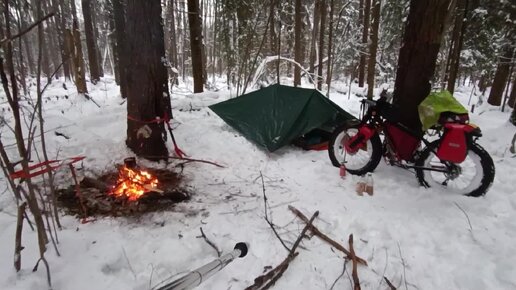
[(129, 190), (132, 182)]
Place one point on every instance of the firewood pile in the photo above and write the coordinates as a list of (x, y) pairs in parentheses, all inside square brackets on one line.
[(94, 196)]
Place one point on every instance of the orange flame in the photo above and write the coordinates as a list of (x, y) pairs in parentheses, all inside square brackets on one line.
[(133, 183)]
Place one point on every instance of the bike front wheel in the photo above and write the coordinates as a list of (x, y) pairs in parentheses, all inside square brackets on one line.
[(472, 177), (358, 163)]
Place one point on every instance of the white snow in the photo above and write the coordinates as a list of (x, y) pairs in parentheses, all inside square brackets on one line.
[(416, 237)]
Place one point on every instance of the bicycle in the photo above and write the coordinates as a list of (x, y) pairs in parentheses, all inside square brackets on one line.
[(446, 162)]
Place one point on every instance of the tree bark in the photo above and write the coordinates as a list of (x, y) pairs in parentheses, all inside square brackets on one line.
[(147, 81), (500, 78), (322, 10), (375, 24), (456, 46), (365, 36), (194, 20), (91, 44), (418, 54)]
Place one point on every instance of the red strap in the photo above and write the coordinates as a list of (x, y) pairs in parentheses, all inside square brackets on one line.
[(45, 166)]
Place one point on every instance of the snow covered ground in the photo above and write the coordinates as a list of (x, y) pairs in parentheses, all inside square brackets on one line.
[(418, 238)]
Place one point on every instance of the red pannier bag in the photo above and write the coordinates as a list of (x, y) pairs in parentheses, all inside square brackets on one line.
[(453, 146), (402, 142)]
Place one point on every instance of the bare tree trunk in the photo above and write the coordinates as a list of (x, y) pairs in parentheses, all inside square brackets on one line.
[(330, 46), (90, 42), (375, 23), (322, 10), (171, 40), (365, 36), (315, 33), (500, 79), (298, 57), (63, 49), (194, 19), (456, 46), (147, 81), (96, 34), (512, 98), (418, 55), (119, 15)]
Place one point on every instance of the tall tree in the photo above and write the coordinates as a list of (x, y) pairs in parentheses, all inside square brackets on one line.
[(171, 41), (298, 52), (91, 43), (416, 64), (456, 44), (500, 78), (147, 81), (194, 20), (373, 47), (365, 36), (119, 15), (63, 13), (75, 45), (322, 11), (315, 33)]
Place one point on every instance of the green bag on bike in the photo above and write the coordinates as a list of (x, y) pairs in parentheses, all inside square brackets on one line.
[(437, 103)]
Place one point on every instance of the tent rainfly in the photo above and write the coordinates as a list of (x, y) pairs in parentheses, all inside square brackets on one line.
[(274, 116)]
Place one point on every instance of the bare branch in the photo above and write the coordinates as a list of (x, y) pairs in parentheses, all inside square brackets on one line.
[(26, 30), (210, 243), (354, 274), (267, 217), (324, 237)]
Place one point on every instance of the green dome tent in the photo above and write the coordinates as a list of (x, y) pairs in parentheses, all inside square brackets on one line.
[(276, 115)]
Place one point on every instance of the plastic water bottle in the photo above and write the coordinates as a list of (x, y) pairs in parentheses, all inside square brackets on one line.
[(361, 185), (369, 186)]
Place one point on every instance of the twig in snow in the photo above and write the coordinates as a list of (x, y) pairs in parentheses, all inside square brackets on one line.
[(466, 214), (49, 279), (128, 263), (324, 237), (354, 274), (273, 275), (346, 260), (210, 243), (265, 204), (391, 287), (404, 268)]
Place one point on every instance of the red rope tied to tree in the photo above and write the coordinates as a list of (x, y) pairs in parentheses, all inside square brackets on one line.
[(166, 119)]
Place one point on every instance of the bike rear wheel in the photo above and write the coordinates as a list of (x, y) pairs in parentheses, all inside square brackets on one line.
[(361, 162), (472, 177)]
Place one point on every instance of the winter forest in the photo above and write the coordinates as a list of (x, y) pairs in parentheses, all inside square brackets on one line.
[(224, 144)]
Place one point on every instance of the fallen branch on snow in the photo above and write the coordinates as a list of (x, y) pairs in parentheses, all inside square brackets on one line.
[(354, 273), (267, 216), (210, 243), (324, 237), (267, 280)]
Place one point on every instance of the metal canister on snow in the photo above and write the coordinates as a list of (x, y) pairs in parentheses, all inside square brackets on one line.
[(342, 171)]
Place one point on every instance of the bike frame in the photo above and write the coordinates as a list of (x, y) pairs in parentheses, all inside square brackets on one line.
[(376, 119)]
